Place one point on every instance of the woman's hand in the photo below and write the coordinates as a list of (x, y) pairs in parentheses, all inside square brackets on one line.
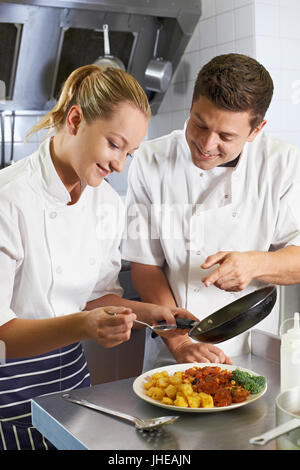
[(157, 313), (107, 329), (188, 351)]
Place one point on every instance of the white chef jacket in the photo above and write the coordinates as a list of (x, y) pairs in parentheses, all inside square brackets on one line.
[(179, 214), (54, 257)]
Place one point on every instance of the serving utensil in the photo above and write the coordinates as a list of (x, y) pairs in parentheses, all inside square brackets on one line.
[(142, 424), (160, 327)]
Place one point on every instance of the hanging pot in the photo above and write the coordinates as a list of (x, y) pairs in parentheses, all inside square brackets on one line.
[(158, 73), (108, 60)]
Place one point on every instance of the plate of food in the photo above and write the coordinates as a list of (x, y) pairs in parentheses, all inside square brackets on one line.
[(200, 387)]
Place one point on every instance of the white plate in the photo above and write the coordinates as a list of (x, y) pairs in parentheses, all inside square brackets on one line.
[(140, 391)]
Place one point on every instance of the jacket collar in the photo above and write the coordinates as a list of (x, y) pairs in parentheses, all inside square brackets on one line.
[(52, 186)]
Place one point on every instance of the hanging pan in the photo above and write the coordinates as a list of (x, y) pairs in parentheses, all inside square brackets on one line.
[(108, 60), (158, 72), (233, 319)]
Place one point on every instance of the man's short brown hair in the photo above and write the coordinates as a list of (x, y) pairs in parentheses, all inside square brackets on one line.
[(236, 82)]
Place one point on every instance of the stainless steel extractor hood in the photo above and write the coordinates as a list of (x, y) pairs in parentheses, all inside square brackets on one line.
[(43, 41)]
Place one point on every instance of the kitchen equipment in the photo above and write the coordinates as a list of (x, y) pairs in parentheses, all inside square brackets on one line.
[(160, 327), (158, 72), (143, 424), (288, 421), (108, 60), (234, 318), (290, 353), (69, 41)]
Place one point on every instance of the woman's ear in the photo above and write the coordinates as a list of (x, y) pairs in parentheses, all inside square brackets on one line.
[(73, 120)]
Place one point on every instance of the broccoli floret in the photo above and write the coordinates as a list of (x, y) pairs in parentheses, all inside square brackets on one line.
[(252, 383)]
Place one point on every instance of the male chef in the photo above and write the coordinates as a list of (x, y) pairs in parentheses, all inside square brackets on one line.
[(216, 207)]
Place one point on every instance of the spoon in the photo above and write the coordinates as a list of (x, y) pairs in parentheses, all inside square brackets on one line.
[(144, 424), (161, 327)]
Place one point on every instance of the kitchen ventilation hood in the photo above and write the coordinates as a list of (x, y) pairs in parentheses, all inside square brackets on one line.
[(41, 42)]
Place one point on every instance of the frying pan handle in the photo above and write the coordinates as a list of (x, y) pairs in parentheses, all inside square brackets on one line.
[(106, 40), (156, 42), (183, 323)]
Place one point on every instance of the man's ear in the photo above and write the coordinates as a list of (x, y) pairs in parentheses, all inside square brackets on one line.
[(256, 131)]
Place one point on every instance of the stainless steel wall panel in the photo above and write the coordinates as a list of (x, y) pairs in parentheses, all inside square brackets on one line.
[(162, 8), (44, 22)]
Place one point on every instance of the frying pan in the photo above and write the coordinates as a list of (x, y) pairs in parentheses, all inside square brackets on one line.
[(233, 319)]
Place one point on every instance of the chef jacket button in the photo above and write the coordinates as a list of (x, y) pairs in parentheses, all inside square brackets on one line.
[(196, 289), (53, 215), (226, 196), (201, 174), (234, 214), (92, 261), (198, 252), (59, 269)]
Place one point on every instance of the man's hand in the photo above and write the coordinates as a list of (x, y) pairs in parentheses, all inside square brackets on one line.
[(188, 351), (235, 271)]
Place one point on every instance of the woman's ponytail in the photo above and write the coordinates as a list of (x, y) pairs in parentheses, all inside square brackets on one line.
[(97, 92)]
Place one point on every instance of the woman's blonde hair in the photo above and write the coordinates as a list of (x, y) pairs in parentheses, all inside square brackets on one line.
[(97, 92)]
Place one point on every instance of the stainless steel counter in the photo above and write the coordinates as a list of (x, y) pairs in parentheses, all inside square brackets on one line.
[(69, 426)]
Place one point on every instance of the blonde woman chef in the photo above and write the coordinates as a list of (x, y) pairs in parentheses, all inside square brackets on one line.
[(58, 273)]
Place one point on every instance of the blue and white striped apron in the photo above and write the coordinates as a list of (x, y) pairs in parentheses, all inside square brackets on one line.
[(23, 379)]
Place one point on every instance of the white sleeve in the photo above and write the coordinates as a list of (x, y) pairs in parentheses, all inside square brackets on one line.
[(141, 241), (11, 255), (110, 239), (287, 230)]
